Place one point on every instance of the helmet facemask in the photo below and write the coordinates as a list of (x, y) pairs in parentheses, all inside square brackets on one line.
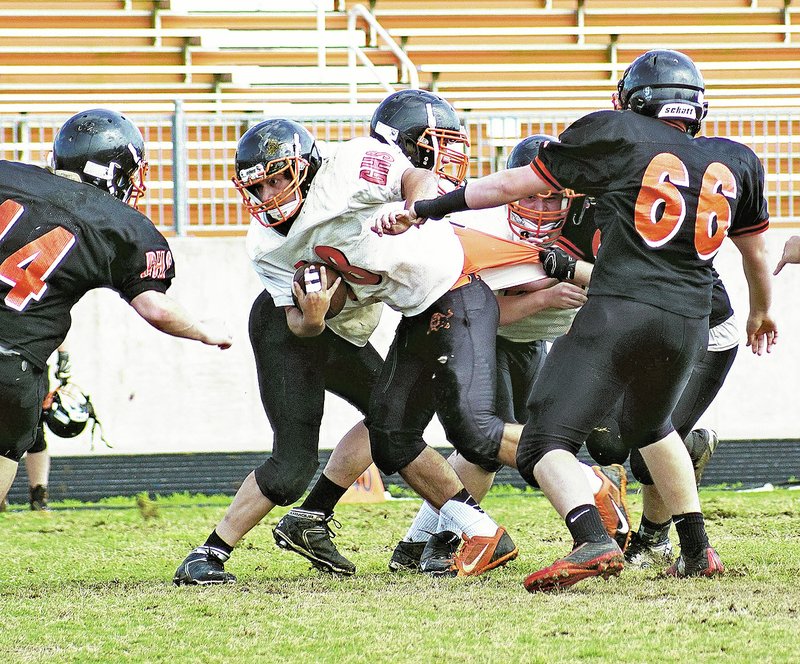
[(285, 204), (450, 164), (540, 226)]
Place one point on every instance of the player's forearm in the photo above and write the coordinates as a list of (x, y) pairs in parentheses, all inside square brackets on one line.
[(486, 192), (756, 272), (168, 316), (417, 184), (517, 307)]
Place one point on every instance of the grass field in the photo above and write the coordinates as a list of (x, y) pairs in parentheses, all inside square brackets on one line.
[(92, 583)]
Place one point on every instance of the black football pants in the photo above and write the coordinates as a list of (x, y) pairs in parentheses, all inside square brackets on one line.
[(293, 375), (614, 347)]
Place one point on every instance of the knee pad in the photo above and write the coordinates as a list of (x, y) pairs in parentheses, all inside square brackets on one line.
[(391, 451), (639, 468), (12, 454), (530, 452), (482, 453), (40, 445), (605, 446), (284, 483)]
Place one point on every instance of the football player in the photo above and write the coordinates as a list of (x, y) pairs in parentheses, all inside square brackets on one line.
[(420, 276), (63, 232), (572, 233), (298, 355), (666, 199), (527, 319)]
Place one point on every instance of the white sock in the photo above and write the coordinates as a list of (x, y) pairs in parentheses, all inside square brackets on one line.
[(425, 523), (594, 481), (471, 520)]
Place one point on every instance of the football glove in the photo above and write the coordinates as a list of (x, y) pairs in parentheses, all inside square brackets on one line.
[(63, 367), (557, 263)]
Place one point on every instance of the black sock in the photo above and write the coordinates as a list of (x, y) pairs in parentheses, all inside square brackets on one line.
[(216, 542), (691, 532), (323, 496), (585, 525), (654, 532)]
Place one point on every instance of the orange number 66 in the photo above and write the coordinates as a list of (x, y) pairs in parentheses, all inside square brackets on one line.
[(661, 208)]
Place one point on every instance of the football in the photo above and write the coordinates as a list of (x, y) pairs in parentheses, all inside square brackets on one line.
[(340, 294)]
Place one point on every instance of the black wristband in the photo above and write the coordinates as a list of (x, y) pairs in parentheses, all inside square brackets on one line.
[(436, 208)]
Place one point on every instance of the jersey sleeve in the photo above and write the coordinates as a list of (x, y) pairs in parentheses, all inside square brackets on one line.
[(582, 159), (375, 171), (752, 212), (142, 260)]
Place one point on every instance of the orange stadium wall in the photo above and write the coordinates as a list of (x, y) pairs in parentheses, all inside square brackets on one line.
[(158, 394)]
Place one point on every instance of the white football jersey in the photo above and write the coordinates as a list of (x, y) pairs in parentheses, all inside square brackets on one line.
[(356, 181)]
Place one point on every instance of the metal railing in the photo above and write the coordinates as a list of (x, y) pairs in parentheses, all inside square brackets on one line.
[(191, 156), (409, 70)]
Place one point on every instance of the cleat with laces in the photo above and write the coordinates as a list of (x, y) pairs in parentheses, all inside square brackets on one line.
[(603, 559), (644, 553), (701, 444), (705, 563), (438, 555), (482, 553), (612, 503), (406, 556), (308, 533), (203, 567)]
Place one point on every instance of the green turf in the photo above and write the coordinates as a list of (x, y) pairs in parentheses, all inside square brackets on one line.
[(93, 584)]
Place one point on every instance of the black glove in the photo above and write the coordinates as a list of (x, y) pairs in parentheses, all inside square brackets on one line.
[(63, 367), (557, 263)]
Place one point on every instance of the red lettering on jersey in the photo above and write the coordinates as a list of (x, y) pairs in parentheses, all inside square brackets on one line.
[(375, 167), (158, 262), (10, 211), (351, 273)]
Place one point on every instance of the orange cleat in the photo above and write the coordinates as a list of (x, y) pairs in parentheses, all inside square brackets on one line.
[(481, 553), (589, 559)]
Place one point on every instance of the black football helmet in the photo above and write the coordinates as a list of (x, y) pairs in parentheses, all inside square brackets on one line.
[(424, 126), (541, 225), (66, 411), (270, 148), (104, 149), (664, 84)]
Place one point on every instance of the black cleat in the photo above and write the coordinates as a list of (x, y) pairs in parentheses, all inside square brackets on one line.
[(644, 553), (38, 498), (308, 533), (438, 556), (202, 567), (406, 556), (705, 563)]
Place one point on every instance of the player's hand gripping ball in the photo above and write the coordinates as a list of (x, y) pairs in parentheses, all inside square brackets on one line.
[(312, 282)]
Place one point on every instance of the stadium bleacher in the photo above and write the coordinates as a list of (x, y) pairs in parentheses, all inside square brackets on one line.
[(488, 57)]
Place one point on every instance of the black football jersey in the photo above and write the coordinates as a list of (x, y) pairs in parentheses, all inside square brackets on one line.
[(665, 202), (580, 238), (60, 239)]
